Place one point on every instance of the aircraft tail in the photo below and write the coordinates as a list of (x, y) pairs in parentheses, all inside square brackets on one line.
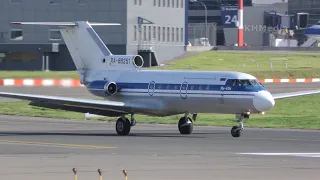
[(87, 49)]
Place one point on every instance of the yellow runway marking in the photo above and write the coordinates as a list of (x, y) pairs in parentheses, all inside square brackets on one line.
[(59, 144)]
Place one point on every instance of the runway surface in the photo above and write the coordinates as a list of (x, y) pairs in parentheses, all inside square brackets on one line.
[(39, 148)]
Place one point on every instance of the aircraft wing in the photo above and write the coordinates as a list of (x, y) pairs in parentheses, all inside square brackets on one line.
[(294, 94), (99, 107)]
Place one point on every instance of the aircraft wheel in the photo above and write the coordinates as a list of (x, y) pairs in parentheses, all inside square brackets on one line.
[(123, 126), (185, 126), (235, 131)]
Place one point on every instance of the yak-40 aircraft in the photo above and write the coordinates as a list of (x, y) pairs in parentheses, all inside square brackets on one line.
[(128, 89)]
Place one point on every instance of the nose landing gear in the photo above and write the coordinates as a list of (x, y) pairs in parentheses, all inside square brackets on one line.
[(236, 130)]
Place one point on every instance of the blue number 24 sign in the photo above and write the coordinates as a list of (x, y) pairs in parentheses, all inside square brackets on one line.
[(229, 16)]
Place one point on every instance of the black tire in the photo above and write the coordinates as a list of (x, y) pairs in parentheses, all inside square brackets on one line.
[(235, 133), (123, 126), (183, 128)]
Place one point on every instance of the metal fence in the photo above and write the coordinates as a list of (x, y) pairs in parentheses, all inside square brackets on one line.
[(202, 34)]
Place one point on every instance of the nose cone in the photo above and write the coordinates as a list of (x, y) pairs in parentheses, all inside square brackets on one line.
[(263, 101)]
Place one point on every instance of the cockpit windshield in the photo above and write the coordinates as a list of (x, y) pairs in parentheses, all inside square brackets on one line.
[(244, 82)]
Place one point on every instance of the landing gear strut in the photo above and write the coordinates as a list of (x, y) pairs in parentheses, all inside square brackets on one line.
[(185, 125), (236, 130), (123, 125)]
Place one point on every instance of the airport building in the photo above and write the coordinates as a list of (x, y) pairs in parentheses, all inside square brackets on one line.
[(224, 14), (311, 8), (155, 29)]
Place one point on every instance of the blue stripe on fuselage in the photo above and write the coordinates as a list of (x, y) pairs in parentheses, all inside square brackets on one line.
[(167, 86), (189, 93), (312, 31)]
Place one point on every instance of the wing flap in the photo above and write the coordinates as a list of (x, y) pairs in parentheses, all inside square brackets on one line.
[(294, 94)]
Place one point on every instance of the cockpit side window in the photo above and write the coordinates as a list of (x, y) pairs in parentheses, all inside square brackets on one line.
[(234, 82), (230, 82), (243, 82), (254, 82), (238, 83)]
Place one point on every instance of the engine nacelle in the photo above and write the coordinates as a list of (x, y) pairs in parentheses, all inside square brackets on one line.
[(102, 87), (110, 88), (123, 61)]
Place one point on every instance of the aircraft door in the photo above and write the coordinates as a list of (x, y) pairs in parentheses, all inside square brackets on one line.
[(184, 90), (151, 88)]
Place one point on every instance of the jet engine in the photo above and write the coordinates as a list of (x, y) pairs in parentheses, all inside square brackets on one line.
[(102, 88), (110, 88)]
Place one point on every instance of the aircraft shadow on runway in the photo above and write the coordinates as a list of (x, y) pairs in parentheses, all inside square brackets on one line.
[(146, 134)]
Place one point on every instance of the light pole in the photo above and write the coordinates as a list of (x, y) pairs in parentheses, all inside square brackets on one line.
[(206, 16)]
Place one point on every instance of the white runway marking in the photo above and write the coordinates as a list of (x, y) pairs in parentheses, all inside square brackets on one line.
[(285, 154)]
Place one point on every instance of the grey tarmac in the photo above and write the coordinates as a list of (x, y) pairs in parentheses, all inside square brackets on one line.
[(39, 148)]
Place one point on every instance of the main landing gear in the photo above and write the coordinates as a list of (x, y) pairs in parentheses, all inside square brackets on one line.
[(123, 125), (185, 124), (236, 130)]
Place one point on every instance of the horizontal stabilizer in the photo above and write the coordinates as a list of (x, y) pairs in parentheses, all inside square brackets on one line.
[(104, 24), (46, 23), (70, 24)]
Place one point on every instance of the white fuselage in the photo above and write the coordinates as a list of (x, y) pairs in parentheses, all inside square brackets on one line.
[(175, 92)]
